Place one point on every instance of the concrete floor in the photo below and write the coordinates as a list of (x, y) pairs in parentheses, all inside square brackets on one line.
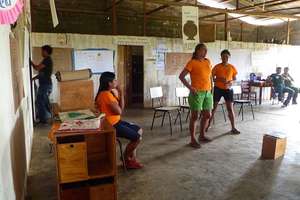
[(228, 168)]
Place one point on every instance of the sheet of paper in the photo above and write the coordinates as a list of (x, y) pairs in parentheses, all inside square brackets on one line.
[(90, 124), (76, 115), (53, 13)]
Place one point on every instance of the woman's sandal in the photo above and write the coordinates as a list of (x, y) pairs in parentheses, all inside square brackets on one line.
[(235, 131), (204, 139), (195, 145)]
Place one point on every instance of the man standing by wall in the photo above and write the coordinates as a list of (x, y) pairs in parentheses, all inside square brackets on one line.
[(44, 69)]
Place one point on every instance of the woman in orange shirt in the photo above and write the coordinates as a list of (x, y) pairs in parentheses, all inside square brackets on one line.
[(223, 75), (110, 100), (200, 98)]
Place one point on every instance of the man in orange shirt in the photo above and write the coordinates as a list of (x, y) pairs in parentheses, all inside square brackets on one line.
[(200, 98), (223, 76)]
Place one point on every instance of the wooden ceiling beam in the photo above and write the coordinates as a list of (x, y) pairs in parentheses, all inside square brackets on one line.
[(241, 8), (219, 10), (160, 8), (101, 13), (110, 7), (268, 11), (284, 9), (283, 3)]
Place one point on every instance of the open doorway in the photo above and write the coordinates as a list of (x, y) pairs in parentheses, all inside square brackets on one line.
[(131, 74)]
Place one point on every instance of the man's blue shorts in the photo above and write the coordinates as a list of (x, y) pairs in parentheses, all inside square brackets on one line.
[(127, 130)]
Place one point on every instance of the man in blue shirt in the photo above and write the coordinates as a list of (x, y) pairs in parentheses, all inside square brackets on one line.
[(280, 88), (44, 69)]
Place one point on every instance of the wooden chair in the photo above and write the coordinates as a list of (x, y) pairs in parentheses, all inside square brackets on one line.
[(182, 93), (157, 95), (247, 94), (242, 102)]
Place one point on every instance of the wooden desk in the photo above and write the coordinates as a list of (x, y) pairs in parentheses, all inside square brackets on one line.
[(86, 163), (260, 85)]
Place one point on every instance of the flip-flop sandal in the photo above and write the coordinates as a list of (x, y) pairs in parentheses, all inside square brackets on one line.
[(205, 139), (235, 132), (195, 145)]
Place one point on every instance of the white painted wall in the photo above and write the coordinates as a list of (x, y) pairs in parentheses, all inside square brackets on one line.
[(8, 118), (154, 77)]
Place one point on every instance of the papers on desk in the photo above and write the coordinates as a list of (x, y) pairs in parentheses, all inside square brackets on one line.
[(76, 115), (81, 124)]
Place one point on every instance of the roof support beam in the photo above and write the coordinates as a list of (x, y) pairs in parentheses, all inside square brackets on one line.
[(288, 31), (114, 18), (253, 13), (101, 13), (226, 27), (281, 9), (144, 18), (266, 4), (113, 4), (241, 32), (160, 8)]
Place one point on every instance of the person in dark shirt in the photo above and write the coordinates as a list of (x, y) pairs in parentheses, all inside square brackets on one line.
[(44, 69), (280, 88), (288, 81)]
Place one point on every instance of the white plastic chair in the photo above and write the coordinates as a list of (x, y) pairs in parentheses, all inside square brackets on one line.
[(182, 93), (156, 94)]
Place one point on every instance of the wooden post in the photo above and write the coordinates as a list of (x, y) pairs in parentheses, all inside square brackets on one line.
[(226, 27), (288, 30), (241, 33), (114, 18), (145, 18), (257, 34), (237, 6)]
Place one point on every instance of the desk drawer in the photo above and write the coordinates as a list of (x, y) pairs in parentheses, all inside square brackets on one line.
[(72, 159), (103, 192)]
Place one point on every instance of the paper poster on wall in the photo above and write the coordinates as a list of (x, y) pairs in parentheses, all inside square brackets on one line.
[(98, 60), (16, 71), (175, 62), (190, 27), (131, 40), (160, 57)]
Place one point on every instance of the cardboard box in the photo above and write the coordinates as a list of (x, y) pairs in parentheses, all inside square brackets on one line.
[(274, 146), (76, 95)]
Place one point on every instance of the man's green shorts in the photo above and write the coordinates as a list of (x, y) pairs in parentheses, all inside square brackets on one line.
[(201, 101)]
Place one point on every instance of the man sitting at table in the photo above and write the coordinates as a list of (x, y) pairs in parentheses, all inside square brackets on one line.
[(280, 88), (288, 81)]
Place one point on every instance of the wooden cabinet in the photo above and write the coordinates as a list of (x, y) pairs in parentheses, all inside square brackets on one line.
[(75, 95), (86, 164)]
